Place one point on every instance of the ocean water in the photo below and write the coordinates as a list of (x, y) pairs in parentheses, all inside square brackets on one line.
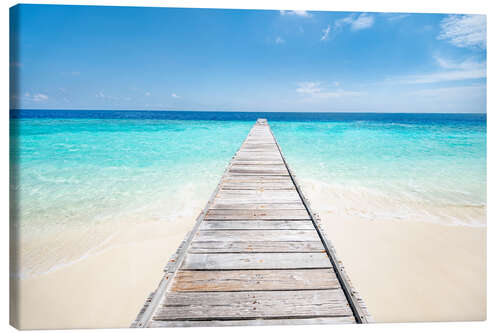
[(88, 173)]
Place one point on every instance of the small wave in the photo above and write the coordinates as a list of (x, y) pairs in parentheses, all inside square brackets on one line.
[(89, 253), (374, 204), (55, 180)]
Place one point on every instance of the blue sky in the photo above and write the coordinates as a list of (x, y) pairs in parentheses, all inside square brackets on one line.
[(88, 57)]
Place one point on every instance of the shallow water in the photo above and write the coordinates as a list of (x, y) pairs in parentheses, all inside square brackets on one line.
[(76, 181), (434, 172)]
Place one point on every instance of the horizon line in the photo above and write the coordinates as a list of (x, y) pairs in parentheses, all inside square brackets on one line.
[(239, 111)]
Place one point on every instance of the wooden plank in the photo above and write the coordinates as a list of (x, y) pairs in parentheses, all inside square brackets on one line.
[(257, 158), (257, 151), (256, 214), (241, 180), (255, 246), (259, 163), (219, 261), (248, 194), (280, 167), (248, 280), (246, 178), (269, 179), (257, 172), (281, 206), (255, 322), (258, 186), (256, 200), (256, 304), (256, 235), (258, 192), (256, 224), (271, 142), (274, 153), (253, 145), (264, 197), (259, 183), (265, 211)]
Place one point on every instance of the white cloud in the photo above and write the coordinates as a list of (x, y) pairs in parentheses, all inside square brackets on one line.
[(147, 93), (302, 13), (457, 99), (395, 16), (308, 87), (465, 65), (279, 40), (464, 30), (174, 95), (73, 73), (456, 75), (317, 90), (355, 22), (112, 98), (40, 97), (326, 32), (363, 21), (452, 71), (451, 91)]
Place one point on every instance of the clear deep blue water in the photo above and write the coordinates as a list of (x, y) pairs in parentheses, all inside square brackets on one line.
[(78, 169)]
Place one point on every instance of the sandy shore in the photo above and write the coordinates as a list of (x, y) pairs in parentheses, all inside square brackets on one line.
[(405, 270), (105, 290), (408, 270), (414, 272)]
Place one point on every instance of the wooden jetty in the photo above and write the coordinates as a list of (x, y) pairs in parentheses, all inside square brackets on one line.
[(256, 255)]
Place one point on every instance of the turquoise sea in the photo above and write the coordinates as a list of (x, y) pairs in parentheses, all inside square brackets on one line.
[(80, 171)]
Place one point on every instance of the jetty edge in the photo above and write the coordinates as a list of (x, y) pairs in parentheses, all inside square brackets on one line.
[(257, 254)]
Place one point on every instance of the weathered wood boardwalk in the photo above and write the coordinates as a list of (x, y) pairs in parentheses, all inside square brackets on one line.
[(256, 256)]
